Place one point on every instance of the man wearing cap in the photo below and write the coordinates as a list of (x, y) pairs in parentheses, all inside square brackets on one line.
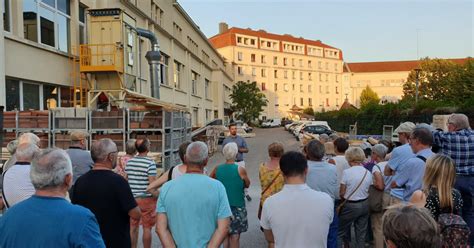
[(458, 143), (80, 158), (400, 156)]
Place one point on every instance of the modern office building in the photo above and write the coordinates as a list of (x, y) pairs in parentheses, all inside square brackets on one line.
[(39, 45), (290, 71)]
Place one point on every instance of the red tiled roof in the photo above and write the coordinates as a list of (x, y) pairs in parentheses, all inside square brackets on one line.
[(386, 66), (227, 38)]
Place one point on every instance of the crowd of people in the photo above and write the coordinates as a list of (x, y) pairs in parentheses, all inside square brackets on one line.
[(329, 194)]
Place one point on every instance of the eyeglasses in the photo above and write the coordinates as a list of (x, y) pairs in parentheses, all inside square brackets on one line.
[(112, 153)]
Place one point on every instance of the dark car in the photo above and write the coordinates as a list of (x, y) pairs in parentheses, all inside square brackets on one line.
[(317, 129)]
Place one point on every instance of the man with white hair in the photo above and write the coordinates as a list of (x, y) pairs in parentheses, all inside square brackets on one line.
[(190, 199), (458, 143), (28, 138), (107, 195), (47, 219), (16, 180)]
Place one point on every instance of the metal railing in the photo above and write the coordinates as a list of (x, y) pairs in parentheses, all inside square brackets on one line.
[(101, 57)]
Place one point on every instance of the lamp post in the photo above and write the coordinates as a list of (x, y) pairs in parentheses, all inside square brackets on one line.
[(417, 71)]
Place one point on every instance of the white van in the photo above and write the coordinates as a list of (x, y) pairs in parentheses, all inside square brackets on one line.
[(272, 123)]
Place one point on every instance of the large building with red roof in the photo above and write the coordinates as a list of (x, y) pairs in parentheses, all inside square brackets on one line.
[(289, 70)]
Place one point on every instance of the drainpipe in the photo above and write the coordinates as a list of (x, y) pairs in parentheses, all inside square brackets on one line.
[(153, 57)]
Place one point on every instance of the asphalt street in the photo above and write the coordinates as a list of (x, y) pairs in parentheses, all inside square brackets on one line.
[(257, 154)]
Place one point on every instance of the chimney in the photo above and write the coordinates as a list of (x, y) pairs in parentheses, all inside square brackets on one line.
[(223, 27)]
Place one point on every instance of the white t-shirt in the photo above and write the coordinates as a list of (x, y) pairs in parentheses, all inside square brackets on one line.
[(177, 171), (298, 216), (17, 184), (351, 178), (386, 179), (341, 165)]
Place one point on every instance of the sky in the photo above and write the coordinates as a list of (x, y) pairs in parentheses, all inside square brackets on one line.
[(375, 30)]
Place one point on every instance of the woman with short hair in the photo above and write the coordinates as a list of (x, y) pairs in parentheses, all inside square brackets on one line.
[(235, 179), (130, 152), (354, 191)]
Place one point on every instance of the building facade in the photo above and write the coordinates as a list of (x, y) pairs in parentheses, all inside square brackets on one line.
[(386, 78), (290, 71), (40, 38)]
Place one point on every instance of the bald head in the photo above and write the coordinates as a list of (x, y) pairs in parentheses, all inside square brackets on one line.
[(458, 122)]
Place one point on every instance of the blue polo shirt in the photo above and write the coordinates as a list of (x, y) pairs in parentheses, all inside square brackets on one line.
[(400, 155), (240, 144), (322, 176), (411, 177), (51, 222)]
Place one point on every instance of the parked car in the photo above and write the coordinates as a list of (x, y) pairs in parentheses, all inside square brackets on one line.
[(285, 122), (289, 127), (315, 129), (244, 126), (272, 123)]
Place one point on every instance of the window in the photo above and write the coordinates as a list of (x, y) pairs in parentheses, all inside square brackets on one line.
[(239, 40), (239, 56), (335, 66), (177, 30), (53, 19), (285, 87), (254, 72), (240, 71), (337, 90), (301, 75), (292, 62), (12, 93), (50, 96), (301, 101), (6, 15), (309, 76), (252, 57), (82, 24), (293, 87), (320, 89), (320, 77), (194, 82), (252, 42), (262, 59), (327, 66), (285, 74), (285, 61), (275, 87), (31, 96), (301, 88), (310, 88), (264, 74), (310, 101), (178, 67), (164, 69), (327, 89), (263, 87), (327, 102), (327, 77), (275, 60), (275, 73), (309, 63), (207, 86), (293, 74), (319, 64), (301, 63)]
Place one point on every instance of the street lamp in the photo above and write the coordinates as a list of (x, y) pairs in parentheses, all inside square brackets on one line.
[(417, 71)]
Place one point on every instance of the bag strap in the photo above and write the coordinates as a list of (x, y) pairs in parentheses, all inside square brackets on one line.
[(421, 157), (358, 186), (3, 190), (170, 173), (271, 183)]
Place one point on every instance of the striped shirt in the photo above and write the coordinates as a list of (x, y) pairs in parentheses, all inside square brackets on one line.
[(138, 170)]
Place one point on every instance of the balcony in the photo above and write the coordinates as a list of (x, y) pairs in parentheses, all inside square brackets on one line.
[(101, 58)]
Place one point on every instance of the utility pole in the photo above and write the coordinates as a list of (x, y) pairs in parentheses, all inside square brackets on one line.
[(417, 70)]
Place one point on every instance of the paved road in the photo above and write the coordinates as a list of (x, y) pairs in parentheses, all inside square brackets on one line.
[(257, 154)]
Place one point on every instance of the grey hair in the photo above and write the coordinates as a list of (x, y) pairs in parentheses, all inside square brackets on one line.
[(380, 150), (197, 153), (100, 149), (49, 168), (323, 138), (130, 147), (460, 121), (230, 151), (30, 138), (315, 150), (26, 151), (11, 147)]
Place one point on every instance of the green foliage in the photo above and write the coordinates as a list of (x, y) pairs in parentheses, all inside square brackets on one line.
[(368, 96), (247, 101), (309, 111), (442, 80)]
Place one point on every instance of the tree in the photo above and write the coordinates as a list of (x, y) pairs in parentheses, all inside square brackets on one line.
[(247, 101), (309, 111), (441, 80), (368, 96)]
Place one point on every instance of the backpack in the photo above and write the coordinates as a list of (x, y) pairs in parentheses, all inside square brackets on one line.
[(454, 230)]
